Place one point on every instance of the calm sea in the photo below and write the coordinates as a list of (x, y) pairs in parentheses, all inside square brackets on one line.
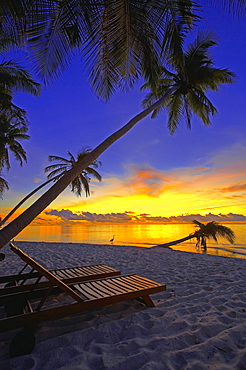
[(136, 235)]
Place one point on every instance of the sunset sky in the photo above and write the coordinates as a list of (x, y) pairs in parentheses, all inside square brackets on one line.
[(148, 172)]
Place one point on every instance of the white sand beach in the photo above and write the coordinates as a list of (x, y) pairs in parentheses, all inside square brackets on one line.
[(198, 322)]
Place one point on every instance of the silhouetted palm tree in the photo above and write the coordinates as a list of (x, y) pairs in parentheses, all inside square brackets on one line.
[(186, 85), (81, 182), (57, 171), (190, 83), (211, 229), (13, 120), (11, 131), (15, 78)]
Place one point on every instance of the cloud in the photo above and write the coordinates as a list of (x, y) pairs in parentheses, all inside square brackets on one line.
[(230, 156), (230, 217), (130, 217), (233, 188), (147, 181), (91, 217)]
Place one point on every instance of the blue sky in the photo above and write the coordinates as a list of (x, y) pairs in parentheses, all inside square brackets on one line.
[(148, 170)]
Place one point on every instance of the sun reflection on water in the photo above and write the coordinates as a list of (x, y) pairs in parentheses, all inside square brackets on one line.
[(135, 235)]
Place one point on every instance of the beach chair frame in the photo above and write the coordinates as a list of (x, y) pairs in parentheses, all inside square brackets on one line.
[(86, 296), (21, 281)]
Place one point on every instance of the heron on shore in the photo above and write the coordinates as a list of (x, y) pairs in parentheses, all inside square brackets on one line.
[(112, 240)]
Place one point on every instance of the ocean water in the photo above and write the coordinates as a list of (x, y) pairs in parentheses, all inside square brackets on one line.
[(136, 235)]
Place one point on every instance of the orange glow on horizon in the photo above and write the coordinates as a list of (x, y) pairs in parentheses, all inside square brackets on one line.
[(180, 191)]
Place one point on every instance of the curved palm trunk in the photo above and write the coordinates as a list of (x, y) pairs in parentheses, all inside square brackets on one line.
[(23, 201), (176, 241), (17, 225)]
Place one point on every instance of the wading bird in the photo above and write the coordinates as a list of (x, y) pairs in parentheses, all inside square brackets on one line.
[(112, 240)]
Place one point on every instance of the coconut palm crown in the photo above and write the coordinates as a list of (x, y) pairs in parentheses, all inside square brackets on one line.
[(58, 170), (11, 131), (205, 231), (15, 78), (189, 81), (81, 182), (212, 230)]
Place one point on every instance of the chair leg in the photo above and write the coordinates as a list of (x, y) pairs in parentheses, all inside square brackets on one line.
[(148, 301)]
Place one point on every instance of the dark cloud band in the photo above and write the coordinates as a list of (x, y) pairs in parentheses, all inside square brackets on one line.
[(66, 214)]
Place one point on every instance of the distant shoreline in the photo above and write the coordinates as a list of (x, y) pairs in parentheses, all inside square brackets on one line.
[(220, 249)]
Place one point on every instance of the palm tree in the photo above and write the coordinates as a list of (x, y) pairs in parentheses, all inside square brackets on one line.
[(210, 230), (15, 78), (187, 85), (57, 171), (11, 130), (191, 83), (13, 119), (81, 182)]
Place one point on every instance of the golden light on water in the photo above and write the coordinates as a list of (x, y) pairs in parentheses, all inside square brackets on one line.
[(134, 235)]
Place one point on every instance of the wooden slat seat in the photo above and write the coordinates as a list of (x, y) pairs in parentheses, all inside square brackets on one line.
[(117, 285), (25, 281), (85, 295)]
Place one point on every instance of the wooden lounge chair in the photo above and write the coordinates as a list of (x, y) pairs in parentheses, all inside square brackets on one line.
[(85, 296), (25, 281)]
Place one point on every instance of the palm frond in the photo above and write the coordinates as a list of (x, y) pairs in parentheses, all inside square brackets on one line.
[(77, 186), (3, 186), (4, 158), (12, 130), (175, 111), (197, 53), (53, 30), (71, 158), (213, 229), (59, 159), (225, 232), (18, 152), (16, 77), (54, 171), (94, 173), (198, 223), (81, 182), (201, 105), (123, 47), (85, 183), (212, 78)]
